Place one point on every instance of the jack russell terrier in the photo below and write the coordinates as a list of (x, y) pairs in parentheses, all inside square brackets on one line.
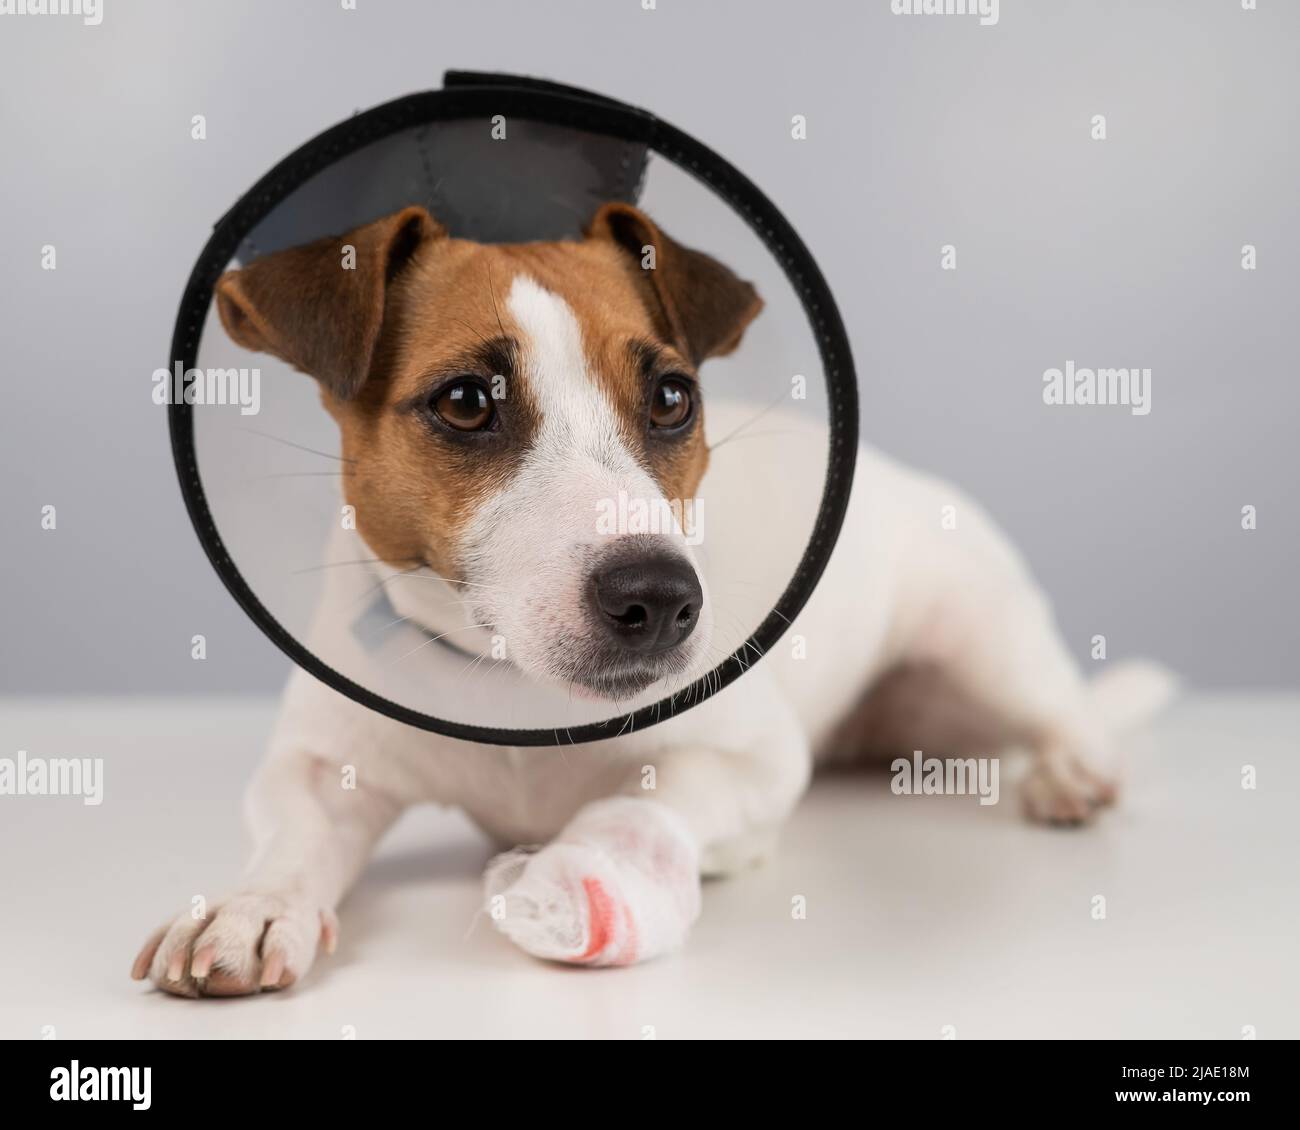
[(931, 638)]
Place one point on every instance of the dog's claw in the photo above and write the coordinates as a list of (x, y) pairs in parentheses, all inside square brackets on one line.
[(201, 965), (272, 970), (140, 967), (176, 966), (329, 930)]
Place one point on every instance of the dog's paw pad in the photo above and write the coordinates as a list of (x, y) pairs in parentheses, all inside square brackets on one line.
[(608, 892)]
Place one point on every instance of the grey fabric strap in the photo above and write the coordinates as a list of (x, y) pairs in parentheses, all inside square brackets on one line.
[(495, 181)]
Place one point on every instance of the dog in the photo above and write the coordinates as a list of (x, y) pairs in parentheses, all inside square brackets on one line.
[(922, 635)]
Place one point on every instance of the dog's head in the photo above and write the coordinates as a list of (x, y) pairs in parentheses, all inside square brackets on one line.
[(524, 419)]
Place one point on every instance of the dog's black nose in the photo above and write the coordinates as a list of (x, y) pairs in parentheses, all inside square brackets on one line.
[(647, 604)]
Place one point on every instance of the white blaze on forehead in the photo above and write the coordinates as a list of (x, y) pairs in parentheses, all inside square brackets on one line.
[(576, 416), (578, 456)]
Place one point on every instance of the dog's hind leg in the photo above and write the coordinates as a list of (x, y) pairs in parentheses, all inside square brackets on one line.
[(1001, 651), (973, 660)]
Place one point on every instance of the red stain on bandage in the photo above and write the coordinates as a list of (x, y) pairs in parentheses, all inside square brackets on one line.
[(603, 912)]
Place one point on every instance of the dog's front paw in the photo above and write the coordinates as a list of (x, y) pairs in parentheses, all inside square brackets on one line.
[(1066, 790), (246, 944), (619, 885)]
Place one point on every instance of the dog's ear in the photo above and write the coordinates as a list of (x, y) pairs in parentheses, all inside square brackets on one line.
[(701, 306), (319, 306)]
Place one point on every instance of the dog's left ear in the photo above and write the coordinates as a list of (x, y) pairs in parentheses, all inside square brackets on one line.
[(701, 306)]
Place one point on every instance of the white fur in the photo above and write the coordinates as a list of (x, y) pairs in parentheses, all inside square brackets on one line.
[(900, 587)]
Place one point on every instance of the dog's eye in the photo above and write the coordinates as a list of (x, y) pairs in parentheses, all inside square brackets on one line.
[(670, 407), (465, 406)]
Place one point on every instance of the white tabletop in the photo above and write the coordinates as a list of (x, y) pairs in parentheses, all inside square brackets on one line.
[(922, 912)]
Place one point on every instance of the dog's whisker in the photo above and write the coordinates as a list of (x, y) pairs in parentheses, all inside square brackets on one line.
[(766, 434), (492, 295), (476, 585), (413, 575), (781, 399), (487, 671), (435, 639), (441, 604), (383, 581), (299, 446), (300, 475), (474, 330), (338, 565), (467, 668)]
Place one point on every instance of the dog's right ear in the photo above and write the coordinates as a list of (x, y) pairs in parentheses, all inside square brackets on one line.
[(319, 306), (702, 306)]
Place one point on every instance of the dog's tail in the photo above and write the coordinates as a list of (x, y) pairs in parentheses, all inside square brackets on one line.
[(1132, 691)]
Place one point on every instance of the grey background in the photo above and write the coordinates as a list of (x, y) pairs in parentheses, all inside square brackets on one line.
[(922, 131)]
